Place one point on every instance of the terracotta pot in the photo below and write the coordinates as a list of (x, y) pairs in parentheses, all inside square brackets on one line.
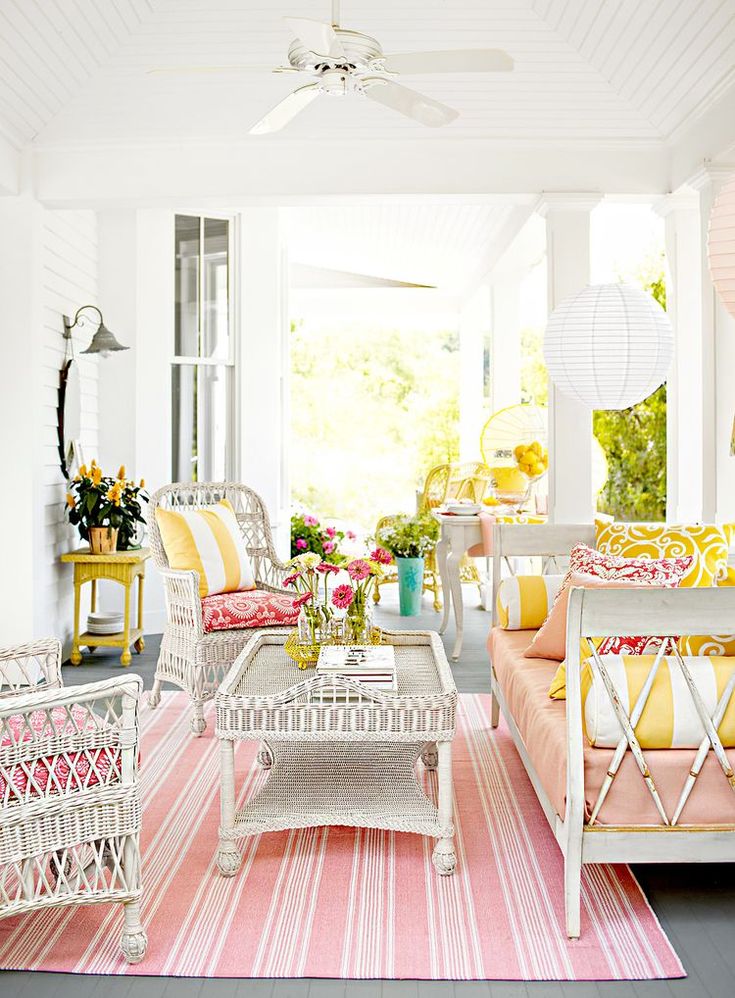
[(102, 540)]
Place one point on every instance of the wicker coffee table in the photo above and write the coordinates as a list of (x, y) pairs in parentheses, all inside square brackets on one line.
[(337, 752)]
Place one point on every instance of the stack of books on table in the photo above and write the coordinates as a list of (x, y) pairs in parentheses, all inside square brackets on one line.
[(373, 665)]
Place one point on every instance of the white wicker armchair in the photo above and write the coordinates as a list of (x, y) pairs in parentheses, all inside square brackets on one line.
[(70, 811), (191, 659)]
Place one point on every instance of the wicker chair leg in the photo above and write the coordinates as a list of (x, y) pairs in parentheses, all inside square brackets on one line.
[(134, 940), (198, 724), (154, 697)]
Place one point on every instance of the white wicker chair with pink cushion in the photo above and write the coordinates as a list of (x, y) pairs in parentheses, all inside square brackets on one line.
[(70, 810), (204, 636)]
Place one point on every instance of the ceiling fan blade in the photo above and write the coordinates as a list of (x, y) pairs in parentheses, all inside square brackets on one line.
[(317, 36), (458, 61), (284, 112), (414, 105), (236, 68)]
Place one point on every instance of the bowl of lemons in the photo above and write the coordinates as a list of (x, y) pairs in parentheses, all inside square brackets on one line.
[(532, 459)]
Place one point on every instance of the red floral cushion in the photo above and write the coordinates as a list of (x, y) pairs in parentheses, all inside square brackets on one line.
[(664, 572), (57, 772), (251, 608)]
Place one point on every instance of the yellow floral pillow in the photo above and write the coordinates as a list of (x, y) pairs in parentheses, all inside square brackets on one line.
[(706, 543)]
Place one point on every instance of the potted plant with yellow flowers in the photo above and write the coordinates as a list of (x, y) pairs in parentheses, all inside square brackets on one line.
[(106, 511)]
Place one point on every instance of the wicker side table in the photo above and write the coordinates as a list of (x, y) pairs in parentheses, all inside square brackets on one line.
[(337, 752), (120, 566)]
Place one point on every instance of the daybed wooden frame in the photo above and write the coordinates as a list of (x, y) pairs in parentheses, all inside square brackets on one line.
[(602, 613)]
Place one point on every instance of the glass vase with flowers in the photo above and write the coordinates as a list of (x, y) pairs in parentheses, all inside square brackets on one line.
[(353, 597)]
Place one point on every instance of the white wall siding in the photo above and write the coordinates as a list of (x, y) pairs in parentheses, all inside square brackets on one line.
[(68, 280)]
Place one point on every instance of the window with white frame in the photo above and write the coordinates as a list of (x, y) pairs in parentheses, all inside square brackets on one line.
[(202, 371)]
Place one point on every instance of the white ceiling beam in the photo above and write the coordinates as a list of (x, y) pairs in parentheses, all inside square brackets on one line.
[(710, 137), (283, 169)]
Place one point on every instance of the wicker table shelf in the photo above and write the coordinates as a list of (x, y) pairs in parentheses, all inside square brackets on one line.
[(336, 752)]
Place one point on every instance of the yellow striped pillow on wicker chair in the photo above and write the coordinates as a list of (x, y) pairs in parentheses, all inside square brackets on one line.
[(669, 718), (524, 601), (208, 541), (706, 543)]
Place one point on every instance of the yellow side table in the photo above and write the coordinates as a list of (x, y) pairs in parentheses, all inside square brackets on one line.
[(123, 567)]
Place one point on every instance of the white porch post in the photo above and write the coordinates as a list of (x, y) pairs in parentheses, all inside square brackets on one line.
[(474, 324), (685, 403), (505, 356), (263, 365), (23, 408), (570, 423), (718, 364)]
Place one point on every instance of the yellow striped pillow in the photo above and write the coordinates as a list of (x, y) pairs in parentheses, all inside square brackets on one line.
[(669, 719), (207, 541), (706, 543), (524, 601)]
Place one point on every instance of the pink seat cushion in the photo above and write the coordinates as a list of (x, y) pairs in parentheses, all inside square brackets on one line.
[(65, 771), (542, 725), (252, 608)]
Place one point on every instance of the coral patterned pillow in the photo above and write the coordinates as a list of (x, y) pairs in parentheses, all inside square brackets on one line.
[(667, 573), (596, 569), (251, 608), (63, 771)]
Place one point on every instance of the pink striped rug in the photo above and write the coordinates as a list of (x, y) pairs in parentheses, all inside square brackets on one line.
[(335, 902)]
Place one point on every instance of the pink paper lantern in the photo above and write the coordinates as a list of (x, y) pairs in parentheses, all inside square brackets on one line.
[(721, 245)]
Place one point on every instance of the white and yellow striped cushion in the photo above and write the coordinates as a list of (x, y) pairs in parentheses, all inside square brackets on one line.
[(669, 719), (207, 541), (524, 601)]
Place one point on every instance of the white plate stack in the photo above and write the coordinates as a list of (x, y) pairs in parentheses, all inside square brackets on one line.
[(104, 622)]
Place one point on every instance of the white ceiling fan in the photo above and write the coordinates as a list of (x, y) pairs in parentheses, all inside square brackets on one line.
[(351, 62)]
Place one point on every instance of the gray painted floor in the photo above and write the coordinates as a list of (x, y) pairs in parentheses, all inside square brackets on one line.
[(696, 904)]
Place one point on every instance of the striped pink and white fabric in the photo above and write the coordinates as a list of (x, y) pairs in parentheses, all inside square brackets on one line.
[(336, 902)]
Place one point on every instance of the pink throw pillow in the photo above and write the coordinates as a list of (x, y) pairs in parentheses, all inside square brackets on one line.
[(592, 570)]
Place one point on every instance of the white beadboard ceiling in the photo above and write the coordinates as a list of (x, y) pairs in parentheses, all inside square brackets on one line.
[(621, 70), (443, 246)]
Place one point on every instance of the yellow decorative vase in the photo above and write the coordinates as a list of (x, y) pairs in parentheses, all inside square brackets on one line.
[(102, 540)]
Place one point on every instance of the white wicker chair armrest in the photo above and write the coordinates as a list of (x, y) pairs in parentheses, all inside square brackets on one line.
[(183, 602), (67, 696), (30, 666)]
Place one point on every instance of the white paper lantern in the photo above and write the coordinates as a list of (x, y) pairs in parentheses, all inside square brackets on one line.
[(609, 346), (721, 245)]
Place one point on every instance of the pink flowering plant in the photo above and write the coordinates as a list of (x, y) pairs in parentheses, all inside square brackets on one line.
[(308, 534)]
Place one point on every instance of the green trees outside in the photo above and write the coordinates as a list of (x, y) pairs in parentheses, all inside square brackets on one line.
[(372, 409), (634, 441)]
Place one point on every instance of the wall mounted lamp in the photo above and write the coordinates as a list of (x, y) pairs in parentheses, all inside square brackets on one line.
[(103, 341)]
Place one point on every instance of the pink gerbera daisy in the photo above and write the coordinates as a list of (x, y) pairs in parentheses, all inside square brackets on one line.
[(358, 569), (342, 597), (291, 580), (381, 556), (326, 567), (302, 600)]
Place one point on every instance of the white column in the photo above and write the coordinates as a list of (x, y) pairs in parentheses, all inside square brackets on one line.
[(718, 365), (474, 327), (570, 423), (505, 356), (23, 411), (263, 364), (684, 391)]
